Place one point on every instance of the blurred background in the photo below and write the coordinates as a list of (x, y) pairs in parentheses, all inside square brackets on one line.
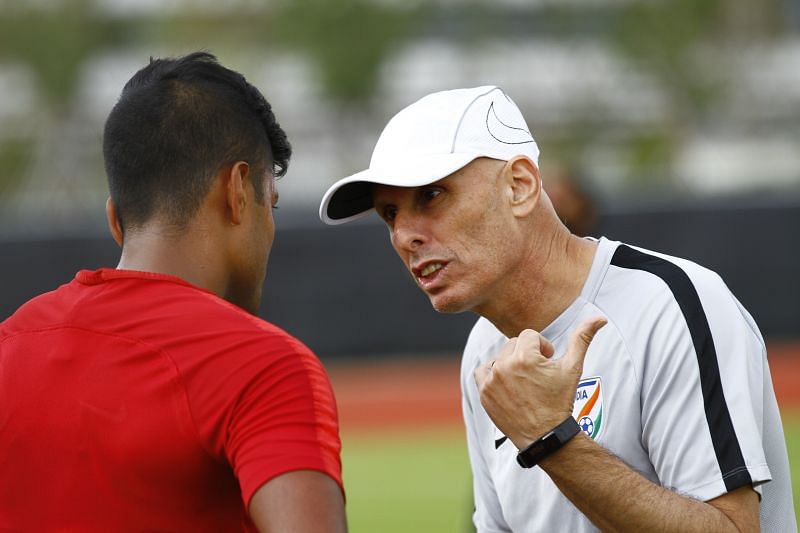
[(673, 125)]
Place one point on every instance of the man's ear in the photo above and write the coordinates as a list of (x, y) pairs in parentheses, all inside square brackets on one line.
[(526, 185), (235, 179), (114, 224)]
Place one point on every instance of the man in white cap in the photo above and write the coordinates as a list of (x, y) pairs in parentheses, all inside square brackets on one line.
[(667, 421)]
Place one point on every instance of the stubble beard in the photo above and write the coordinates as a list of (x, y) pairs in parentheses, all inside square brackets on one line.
[(450, 304)]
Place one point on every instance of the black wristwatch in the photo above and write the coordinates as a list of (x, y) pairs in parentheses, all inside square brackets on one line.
[(548, 443)]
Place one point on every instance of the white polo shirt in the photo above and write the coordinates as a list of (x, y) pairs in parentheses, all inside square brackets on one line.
[(676, 385)]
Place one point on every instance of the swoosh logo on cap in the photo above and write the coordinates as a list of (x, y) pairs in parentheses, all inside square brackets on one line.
[(503, 132)]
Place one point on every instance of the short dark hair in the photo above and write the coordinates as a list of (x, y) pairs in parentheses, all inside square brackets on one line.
[(176, 124)]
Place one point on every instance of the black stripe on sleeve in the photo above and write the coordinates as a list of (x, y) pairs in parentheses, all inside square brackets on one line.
[(723, 436)]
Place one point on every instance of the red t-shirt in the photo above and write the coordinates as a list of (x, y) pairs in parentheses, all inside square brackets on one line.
[(133, 401)]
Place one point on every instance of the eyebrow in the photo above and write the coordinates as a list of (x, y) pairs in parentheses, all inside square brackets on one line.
[(380, 208)]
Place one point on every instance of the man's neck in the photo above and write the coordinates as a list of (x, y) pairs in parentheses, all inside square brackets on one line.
[(548, 281), (187, 257)]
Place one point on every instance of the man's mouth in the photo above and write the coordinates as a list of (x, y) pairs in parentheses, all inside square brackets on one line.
[(428, 274), (430, 269)]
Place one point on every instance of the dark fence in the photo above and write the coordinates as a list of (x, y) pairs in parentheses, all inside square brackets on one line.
[(344, 292)]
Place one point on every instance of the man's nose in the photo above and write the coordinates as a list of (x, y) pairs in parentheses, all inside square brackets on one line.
[(407, 233)]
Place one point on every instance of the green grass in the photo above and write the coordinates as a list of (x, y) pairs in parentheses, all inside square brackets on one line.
[(419, 481), (407, 482), (791, 428)]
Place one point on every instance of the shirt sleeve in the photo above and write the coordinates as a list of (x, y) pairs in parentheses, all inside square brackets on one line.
[(283, 420), (702, 397), (488, 514)]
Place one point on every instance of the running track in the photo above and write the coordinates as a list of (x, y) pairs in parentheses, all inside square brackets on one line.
[(417, 392)]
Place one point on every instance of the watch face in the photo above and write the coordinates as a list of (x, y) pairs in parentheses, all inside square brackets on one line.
[(549, 443), (537, 451)]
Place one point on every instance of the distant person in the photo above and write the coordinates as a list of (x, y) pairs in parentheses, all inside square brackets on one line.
[(572, 203), (667, 423), (149, 397)]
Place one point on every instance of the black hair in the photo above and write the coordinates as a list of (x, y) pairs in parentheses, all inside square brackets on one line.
[(176, 124)]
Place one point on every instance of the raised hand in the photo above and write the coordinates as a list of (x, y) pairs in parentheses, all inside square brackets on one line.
[(524, 391)]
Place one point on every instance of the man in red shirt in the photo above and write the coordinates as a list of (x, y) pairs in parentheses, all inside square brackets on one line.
[(149, 397)]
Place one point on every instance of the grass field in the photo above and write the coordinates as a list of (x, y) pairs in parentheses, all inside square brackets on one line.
[(419, 481), (791, 428), (407, 482)]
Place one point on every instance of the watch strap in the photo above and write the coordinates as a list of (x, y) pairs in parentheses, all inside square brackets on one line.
[(548, 443)]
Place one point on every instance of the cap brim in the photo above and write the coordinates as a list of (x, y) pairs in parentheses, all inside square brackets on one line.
[(350, 198)]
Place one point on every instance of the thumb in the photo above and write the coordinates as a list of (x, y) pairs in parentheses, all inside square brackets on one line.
[(581, 338)]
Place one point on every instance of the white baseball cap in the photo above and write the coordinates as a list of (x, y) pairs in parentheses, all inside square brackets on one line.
[(429, 140)]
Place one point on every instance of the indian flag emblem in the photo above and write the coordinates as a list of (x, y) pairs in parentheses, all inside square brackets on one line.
[(588, 408)]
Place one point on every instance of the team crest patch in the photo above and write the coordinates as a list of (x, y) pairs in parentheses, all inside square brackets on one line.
[(588, 408)]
